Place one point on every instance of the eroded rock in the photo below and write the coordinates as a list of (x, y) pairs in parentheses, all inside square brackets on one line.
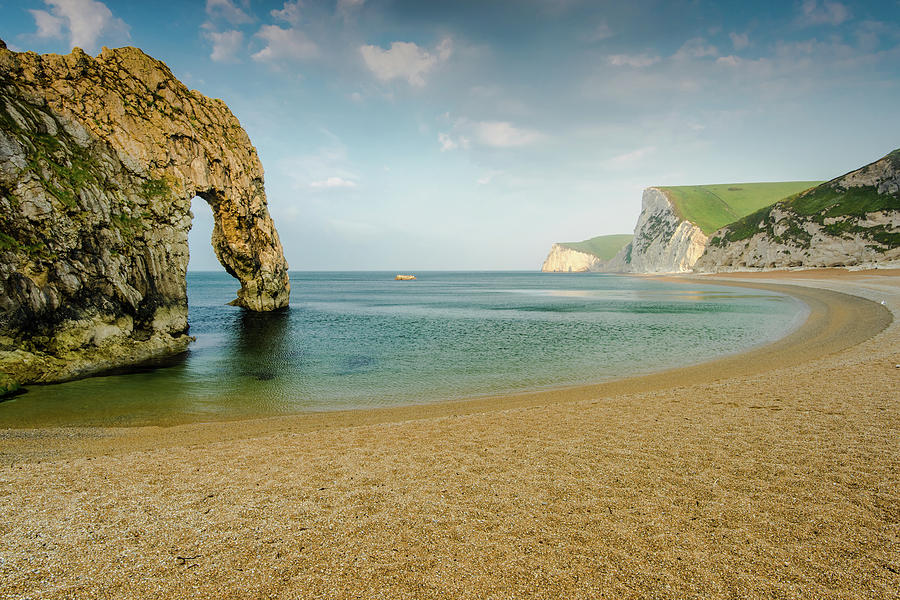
[(850, 221), (663, 241), (99, 160)]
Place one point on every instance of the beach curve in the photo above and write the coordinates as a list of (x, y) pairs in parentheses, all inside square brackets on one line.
[(761, 473)]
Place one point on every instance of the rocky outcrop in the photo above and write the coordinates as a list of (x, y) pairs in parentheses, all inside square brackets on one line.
[(99, 160), (598, 254), (566, 260), (663, 242), (851, 220)]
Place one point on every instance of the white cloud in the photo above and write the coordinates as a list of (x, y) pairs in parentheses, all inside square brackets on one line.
[(829, 13), (632, 60), (630, 159), (501, 134), (695, 48), (85, 20), (327, 168), (488, 177), (449, 143), (289, 13), (494, 134), (739, 40), (598, 33), (49, 26), (285, 44), (226, 45), (730, 60), (405, 60), (332, 183), (226, 9)]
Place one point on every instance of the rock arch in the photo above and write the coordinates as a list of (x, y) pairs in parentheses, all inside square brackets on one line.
[(99, 160)]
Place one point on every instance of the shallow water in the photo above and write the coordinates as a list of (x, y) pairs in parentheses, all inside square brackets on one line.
[(362, 340)]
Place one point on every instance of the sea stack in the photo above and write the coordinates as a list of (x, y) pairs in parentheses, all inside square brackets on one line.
[(99, 160)]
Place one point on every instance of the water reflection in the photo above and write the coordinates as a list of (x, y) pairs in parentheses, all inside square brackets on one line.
[(260, 345), (358, 340)]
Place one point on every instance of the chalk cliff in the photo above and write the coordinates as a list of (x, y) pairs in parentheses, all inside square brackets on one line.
[(848, 221), (663, 241), (567, 260), (99, 160), (597, 254)]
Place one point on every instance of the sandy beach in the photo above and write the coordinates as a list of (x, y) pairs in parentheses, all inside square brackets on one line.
[(770, 474)]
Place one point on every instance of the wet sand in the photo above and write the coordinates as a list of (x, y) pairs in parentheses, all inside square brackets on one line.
[(773, 474)]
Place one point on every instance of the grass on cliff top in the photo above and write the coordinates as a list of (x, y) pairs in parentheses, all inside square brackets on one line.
[(819, 203), (713, 206), (603, 247)]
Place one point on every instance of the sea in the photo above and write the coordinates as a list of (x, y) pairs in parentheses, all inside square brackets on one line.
[(357, 340)]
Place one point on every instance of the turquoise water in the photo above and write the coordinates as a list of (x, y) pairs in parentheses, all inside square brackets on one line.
[(360, 340)]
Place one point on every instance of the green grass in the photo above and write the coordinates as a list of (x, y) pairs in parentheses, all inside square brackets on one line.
[(856, 201), (603, 247), (713, 206), (818, 204)]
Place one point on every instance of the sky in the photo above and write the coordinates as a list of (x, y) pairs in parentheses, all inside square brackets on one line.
[(414, 135)]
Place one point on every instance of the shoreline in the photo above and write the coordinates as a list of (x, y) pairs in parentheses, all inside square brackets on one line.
[(828, 328), (765, 474)]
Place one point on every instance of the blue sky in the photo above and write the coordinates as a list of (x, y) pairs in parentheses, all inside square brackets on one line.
[(413, 135)]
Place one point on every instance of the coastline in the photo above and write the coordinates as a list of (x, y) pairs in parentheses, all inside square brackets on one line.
[(828, 328), (766, 470)]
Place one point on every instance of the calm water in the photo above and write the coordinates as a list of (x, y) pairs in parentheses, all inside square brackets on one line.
[(356, 340)]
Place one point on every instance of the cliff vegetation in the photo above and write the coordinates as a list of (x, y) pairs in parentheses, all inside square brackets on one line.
[(711, 207)]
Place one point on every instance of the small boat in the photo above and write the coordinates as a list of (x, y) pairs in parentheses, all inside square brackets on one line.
[(404, 277)]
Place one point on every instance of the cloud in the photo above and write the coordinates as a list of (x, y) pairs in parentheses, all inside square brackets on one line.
[(285, 44), (289, 13), (49, 26), (493, 134), (632, 60), (226, 9), (405, 60), (829, 13), (449, 143), (739, 40), (327, 168), (730, 60), (85, 21), (598, 33), (332, 183), (488, 177), (630, 159), (695, 48), (226, 45), (501, 134)]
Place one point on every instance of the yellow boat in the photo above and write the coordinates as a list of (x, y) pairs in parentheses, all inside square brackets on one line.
[(404, 277)]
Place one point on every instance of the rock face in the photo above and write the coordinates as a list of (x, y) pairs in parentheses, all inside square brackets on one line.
[(567, 260), (598, 254), (663, 242), (848, 221), (99, 160)]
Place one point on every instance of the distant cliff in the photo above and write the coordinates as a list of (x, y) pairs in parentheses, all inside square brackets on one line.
[(99, 160), (596, 254), (851, 220)]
